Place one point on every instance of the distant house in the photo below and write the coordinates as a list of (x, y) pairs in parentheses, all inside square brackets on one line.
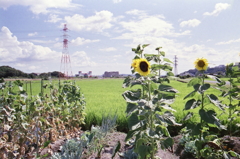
[(111, 74), (85, 75)]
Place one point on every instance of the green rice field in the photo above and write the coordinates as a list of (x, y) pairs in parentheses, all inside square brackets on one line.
[(104, 97)]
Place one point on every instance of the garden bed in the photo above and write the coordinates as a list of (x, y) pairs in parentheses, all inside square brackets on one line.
[(112, 139)]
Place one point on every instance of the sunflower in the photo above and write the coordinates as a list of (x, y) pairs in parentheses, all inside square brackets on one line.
[(142, 66), (201, 64)]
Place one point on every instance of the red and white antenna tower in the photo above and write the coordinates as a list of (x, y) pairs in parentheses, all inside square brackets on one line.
[(65, 60)]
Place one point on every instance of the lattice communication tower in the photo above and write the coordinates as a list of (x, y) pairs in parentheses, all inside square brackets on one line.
[(175, 65), (65, 60)]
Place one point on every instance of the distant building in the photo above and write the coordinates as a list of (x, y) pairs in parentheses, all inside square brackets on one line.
[(111, 74), (85, 75)]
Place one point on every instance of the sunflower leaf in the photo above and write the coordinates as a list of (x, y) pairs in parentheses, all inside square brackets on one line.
[(190, 94), (145, 45), (162, 53), (194, 81), (167, 88), (132, 96), (214, 100), (167, 60), (191, 104), (158, 48), (188, 116)]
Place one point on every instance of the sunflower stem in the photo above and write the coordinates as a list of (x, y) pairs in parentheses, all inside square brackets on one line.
[(151, 117), (230, 109), (201, 120)]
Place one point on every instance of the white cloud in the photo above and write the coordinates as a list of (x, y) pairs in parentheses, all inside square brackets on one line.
[(148, 26), (80, 58), (219, 7), (12, 50), (33, 34), (82, 41), (137, 12), (98, 22), (53, 18), (39, 6), (190, 23), (109, 49), (228, 42), (117, 1)]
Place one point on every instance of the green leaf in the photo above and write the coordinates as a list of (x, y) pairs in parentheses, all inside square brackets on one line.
[(139, 47), (131, 133), (190, 94), (196, 87), (168, 118), (207, 116), (167, 88), (166, 144), (132, 96), (149, 57), (204, 87), (194, 128), (127, 81), (145, 45), (188, 116), (131, 107), (158, 48), (141, 147), (213, 99), (167, 107), (162, 130), (133, 121), (162, 53), (116, 149), (167, 60), (215, 78), (194, 81), (191, 104), (143, 151), (232, 153)]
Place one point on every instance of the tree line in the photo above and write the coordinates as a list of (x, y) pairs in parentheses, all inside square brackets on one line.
[(9, 72)]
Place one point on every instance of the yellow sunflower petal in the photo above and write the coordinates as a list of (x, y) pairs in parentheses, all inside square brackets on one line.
[(134, 63)]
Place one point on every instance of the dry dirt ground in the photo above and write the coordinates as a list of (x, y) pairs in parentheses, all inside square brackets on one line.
[(113, 138)]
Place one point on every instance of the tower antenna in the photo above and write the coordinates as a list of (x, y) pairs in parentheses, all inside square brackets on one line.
[(65, 60), (175, 65)]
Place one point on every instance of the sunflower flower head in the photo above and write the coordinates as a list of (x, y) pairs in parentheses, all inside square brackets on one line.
[(142, 66), (201, 64)]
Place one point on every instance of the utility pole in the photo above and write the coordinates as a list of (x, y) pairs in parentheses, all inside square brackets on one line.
[(175, 65)]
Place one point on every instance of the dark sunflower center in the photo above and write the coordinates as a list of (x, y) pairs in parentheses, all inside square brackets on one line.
[(201, 63), (144, 66)]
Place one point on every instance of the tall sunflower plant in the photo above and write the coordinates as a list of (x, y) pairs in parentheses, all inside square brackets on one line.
[(148, 103), (230, 92), (206, 144)]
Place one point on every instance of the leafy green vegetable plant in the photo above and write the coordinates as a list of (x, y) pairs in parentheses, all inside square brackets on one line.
[(148, 106)]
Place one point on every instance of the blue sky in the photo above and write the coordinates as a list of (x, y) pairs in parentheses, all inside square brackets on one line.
[(102, 33)]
